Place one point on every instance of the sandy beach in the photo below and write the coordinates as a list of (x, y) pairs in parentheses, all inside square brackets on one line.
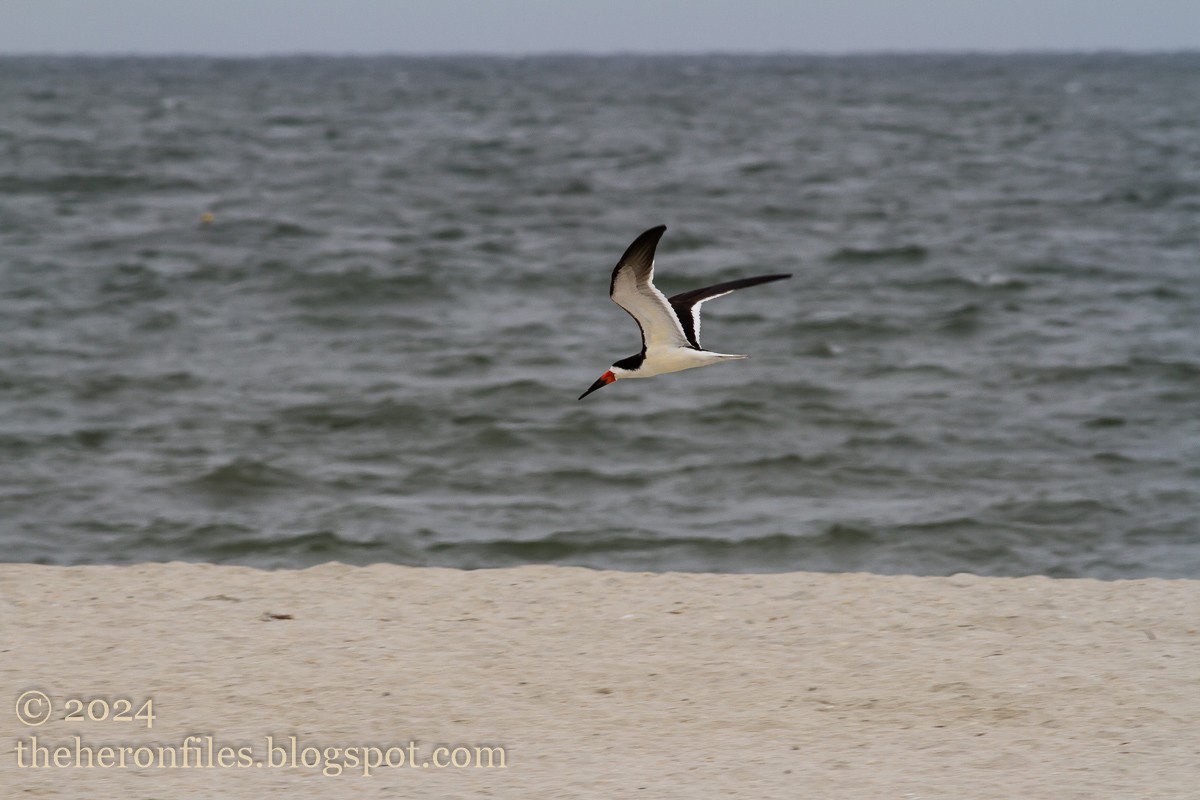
[(579, 683)]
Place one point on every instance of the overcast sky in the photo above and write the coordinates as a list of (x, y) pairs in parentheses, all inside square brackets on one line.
[(251, 27)]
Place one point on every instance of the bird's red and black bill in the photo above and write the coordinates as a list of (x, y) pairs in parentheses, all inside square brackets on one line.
[(602, 381)]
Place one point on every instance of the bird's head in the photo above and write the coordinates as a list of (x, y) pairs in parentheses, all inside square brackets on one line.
[(601, 382)]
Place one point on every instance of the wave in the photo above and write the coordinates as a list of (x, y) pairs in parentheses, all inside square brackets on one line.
[(244, 546), (909, 253), (1171, 370), (244, 478), (862, 324), (941, 283), (99, 183), (571, 546), (360, 285), (98, 386), (382, 414), (963, 320)]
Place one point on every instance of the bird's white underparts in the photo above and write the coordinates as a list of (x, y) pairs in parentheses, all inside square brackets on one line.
[(670, 327)]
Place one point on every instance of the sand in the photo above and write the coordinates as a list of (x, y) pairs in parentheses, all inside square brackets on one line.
[(595, 684)]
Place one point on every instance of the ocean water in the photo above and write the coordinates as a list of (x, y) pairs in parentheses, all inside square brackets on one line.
[(988, 359)]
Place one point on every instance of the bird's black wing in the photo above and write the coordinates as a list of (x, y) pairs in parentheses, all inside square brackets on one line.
[(632, 288), (687, 304)]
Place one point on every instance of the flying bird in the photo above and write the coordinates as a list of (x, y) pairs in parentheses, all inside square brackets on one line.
[(670, 327)]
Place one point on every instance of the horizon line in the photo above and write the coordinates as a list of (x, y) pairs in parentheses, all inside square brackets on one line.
[(497, 54)]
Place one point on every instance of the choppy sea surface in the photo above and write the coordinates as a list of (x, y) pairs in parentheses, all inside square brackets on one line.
[(988, 359)]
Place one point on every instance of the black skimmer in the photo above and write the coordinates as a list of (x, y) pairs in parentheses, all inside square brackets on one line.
[(670, 328)]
